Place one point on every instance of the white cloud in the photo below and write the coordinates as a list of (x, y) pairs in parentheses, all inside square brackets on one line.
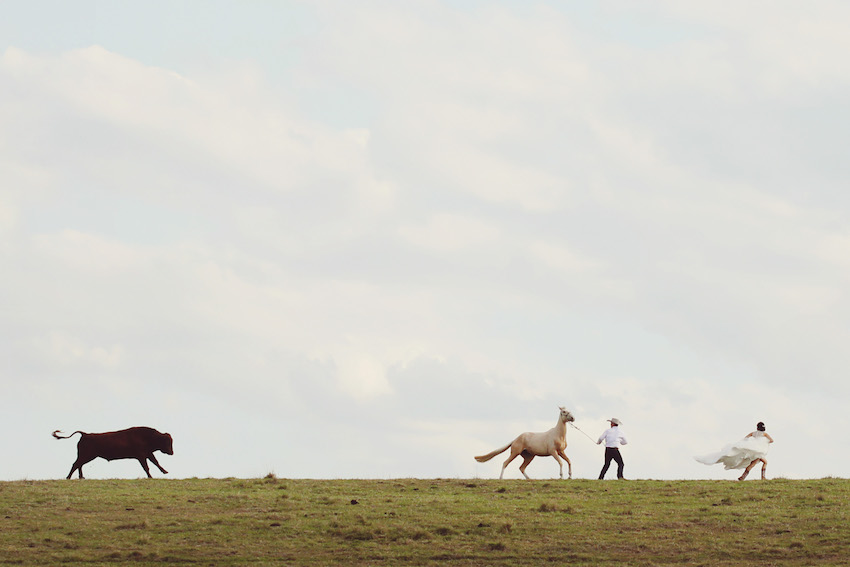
[(88, 253), (67, 351), (562, 259), (446, 232), (520, 209), (193, 132), (8, 217)]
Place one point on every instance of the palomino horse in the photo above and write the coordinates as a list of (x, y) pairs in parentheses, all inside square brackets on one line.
[(530, 445)]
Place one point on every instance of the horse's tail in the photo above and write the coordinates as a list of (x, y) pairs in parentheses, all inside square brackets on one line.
[(57, 432), (488, 456)]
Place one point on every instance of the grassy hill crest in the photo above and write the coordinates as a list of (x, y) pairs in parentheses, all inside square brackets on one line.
[(422, 521)]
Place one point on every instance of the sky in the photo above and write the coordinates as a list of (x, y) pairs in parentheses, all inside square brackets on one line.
[(373, 240)]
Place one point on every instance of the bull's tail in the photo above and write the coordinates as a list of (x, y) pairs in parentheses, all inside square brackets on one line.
[(57, 432), (488, 456)]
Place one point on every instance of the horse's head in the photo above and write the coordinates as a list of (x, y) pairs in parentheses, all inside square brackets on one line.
[(566, 416)]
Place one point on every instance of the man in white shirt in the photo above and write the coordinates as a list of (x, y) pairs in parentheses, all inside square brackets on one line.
[(613, 438)]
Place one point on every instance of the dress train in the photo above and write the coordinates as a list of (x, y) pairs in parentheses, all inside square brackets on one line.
[(739, 454)]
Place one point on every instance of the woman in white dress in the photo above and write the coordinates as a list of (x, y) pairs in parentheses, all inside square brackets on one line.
[(743, 454)]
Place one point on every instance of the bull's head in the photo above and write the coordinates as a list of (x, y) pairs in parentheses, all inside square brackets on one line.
[(167, 446)]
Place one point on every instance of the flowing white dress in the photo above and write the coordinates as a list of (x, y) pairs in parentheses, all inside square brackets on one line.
[(739, 454)]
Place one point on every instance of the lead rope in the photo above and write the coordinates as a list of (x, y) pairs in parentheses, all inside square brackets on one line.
[(582, 432)]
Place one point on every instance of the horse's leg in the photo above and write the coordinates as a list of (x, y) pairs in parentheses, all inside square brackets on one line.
[(508, 461), (569, 464), (554, 455), (526, 459)]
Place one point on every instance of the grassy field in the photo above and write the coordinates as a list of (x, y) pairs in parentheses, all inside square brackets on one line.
[(417, 522)]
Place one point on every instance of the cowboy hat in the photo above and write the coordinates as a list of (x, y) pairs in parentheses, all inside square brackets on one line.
[(615, 421)]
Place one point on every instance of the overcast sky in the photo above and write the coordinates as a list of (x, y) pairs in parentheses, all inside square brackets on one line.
[(374, 239)]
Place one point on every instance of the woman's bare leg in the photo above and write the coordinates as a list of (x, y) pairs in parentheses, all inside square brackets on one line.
[(747, 470)]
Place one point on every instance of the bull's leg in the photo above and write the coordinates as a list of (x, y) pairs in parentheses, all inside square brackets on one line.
[(152, 459), (144, 462), (78, 464), (569, 464), (526, 459)]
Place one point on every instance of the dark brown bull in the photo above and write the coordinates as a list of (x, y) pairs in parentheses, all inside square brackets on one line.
[(134, 443)]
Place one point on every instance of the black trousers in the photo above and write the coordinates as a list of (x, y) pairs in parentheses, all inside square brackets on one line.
[(612, 454)]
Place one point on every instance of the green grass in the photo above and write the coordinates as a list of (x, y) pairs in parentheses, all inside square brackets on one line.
[(418, 522)]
